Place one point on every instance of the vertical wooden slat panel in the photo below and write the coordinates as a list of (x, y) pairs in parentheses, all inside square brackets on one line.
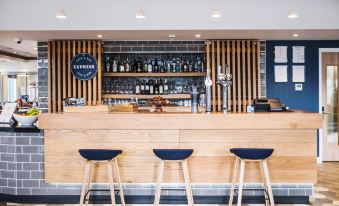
[(95, 78), (223, 61), (243, 59), (238, 77), (54, 79), (59, 77), (254, 70), (79, 82), (74, 80), (258, 66), (218, 64), (249, 83), (50, 49), (229, 67), (213, 78), (69, 76), (234, 76), (64, 79), (84, 83), (89, 82), (99, 72)]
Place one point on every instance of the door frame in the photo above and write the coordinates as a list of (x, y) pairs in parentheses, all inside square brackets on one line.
[(322, 50)]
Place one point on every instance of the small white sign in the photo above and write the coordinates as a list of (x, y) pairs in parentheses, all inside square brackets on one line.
[(280, 73), (7, 112), (298, 87)]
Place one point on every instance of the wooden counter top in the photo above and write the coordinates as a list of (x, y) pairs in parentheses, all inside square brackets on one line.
[(107, 120)]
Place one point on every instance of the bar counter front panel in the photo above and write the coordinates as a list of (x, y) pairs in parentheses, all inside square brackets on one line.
[(291, 134)]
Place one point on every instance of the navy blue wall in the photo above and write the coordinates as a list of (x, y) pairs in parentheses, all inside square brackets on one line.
[(308, 98)]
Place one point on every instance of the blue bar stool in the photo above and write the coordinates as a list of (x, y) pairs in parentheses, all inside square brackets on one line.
[(173, 155), (251, 154), (95, 156)]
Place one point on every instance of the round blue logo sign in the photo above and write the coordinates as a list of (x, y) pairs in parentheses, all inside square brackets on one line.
[(84, 66)]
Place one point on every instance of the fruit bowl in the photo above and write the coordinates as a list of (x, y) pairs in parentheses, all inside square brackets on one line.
[(25, 120)]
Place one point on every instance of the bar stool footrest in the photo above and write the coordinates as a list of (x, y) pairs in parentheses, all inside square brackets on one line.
[(265, 191), (117, 191)]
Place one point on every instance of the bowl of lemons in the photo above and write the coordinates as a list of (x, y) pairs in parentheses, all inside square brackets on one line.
[(28, 117)]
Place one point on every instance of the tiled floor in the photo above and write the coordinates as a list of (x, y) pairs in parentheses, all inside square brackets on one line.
[(326, 192)]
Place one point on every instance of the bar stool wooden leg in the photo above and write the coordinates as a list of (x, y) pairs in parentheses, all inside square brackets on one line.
[(119, 183), (187, 182), (89, 181), (264, 182), (234, 179), (84, 183), (158, 189), (268, 182), (241, 180), (111, 182)]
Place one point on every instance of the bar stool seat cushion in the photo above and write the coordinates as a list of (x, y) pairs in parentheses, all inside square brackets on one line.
[(99, 154), (173, 154), (252, 153)]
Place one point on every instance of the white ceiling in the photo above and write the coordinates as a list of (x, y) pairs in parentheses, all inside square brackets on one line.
[(34, 20)]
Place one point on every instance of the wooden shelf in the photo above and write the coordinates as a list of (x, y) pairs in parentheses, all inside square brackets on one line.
[(128, 96), (182, 74)]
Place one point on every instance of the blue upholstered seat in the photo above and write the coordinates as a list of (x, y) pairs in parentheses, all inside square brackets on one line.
[(99, 154), (173, 154), (252, 153)]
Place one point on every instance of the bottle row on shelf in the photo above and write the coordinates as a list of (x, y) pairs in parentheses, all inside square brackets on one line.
[(151, 86), (139, 102), (155, 65)]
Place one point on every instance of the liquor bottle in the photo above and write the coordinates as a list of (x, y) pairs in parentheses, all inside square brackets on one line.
[(184, 66), (137, 87), (174, 66), (151, 87), (156, 87), (165, 87), (195, 66), (121, 66), (108, 64), (146, 87), (145, 65), (199, 64), (190, 66), (139, 67), (162, 66), (142, 87), (178, 65), (127, 66), (134, 67), (115, 66), (161, 87), (149, 66), (168, 66)]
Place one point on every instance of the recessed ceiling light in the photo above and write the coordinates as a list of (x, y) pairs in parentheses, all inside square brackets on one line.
[(61, 14), (35, 48), (14, 52), (140, 14), (198, 35), (100, 35), (295, 35), (292, 14), (216, 14), (172, 36)]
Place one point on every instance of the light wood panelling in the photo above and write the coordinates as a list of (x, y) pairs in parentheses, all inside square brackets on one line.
[(61, 83), (214, 103), (294, 158), (243, 58)]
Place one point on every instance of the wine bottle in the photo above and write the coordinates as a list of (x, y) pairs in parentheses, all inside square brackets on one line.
[(151, 87), (137, 87), (127, 66), (165, 87), (147, 87), (174, 66), (142, 87), (121, 66), (139, 67), (156, 87), (161, 87), (149, 66), (190, 66), (184, 66), (145, 65)]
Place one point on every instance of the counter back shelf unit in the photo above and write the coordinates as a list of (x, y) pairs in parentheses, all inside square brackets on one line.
[(176, 65)]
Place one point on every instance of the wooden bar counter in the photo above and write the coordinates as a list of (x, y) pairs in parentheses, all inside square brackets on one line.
[(291, 134)]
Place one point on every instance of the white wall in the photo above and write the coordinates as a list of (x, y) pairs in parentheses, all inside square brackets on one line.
[(18, 66), (168, 14)]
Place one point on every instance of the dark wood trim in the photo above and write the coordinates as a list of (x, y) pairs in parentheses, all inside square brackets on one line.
[(17, 56)]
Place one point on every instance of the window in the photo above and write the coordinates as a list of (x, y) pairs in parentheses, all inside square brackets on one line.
[(12, 89)]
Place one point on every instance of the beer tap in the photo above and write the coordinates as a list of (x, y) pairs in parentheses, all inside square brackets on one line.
[(225, 80)]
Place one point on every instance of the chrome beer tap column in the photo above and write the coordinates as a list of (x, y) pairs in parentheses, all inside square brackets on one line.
[(225, 80)]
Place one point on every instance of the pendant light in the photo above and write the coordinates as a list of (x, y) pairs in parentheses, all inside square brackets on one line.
[(61, 14)]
